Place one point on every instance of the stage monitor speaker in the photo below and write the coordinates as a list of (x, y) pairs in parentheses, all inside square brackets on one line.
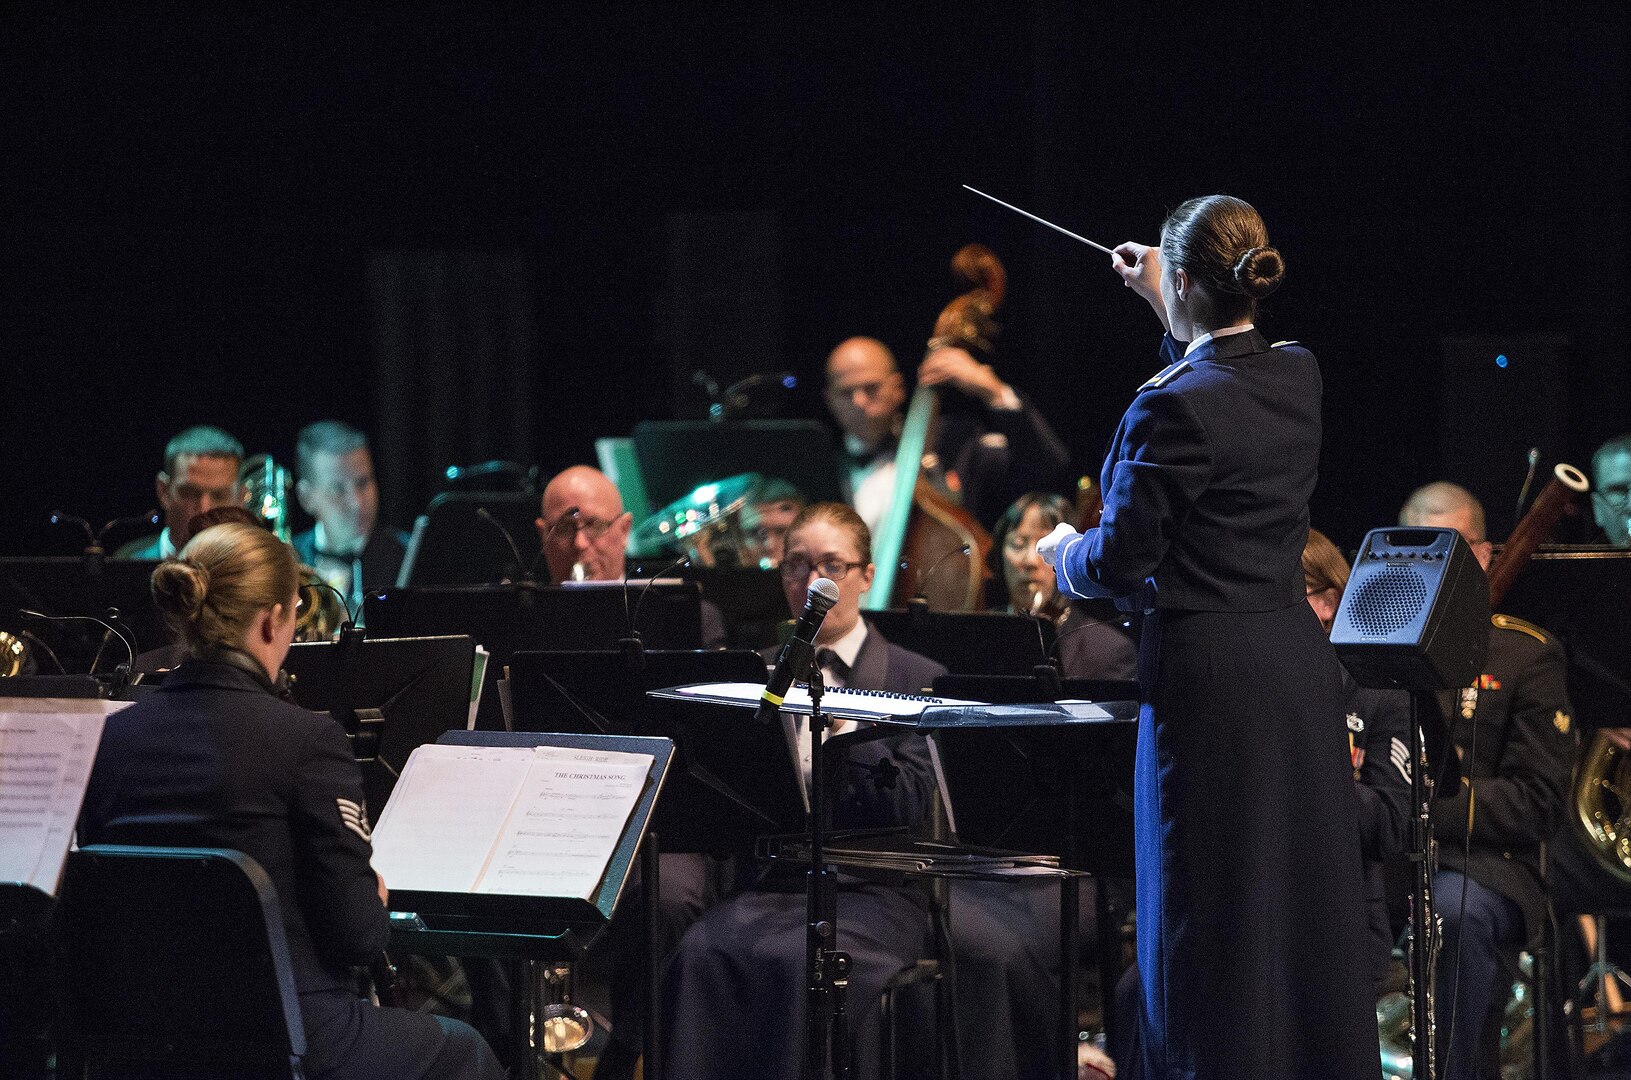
[(1416, 611)]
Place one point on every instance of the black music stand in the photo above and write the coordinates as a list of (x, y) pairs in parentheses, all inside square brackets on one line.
[(677, 456), (507, 618), (1038, 778), (391, 695), (530, 931), (76, 585), (750, 600), (452, 545), (969, 642)]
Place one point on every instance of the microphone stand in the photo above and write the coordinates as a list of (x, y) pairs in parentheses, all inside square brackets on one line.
[(826, 1026)]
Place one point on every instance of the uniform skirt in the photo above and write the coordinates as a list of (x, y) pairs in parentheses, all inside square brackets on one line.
[(1251, 919)]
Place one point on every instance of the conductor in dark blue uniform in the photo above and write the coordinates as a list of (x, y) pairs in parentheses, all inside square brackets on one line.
[(215, 759), (1251, 917)]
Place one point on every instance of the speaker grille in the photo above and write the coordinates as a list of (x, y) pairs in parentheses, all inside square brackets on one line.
[(1388, 601)]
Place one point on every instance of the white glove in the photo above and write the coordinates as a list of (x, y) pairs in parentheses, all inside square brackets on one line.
[(1049, 544)]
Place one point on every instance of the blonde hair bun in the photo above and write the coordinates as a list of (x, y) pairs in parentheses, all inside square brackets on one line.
[(180, 587)]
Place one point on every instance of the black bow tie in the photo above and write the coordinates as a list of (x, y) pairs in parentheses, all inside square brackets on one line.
[(828, 660)]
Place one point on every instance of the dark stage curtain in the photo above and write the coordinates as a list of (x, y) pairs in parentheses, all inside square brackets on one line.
[(454, 339)]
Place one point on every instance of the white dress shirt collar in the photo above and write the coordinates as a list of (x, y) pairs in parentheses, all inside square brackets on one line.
[(1222, 331)]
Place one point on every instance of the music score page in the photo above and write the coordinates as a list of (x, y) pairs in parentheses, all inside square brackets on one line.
[(530, 821)]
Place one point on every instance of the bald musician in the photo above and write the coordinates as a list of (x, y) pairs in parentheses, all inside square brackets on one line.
[(583, 527), (992, 446)]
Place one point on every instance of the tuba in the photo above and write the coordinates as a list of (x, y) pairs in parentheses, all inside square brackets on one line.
[(1602, 805), (265, 486)]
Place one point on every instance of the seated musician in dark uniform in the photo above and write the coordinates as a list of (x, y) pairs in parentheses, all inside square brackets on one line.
[(216, 758), (1512, 734), (1378, 723), (200, 472), (1085, 646), (336, 486), (734, 997), (993, 445)]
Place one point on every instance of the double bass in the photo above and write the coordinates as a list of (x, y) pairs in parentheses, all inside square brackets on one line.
[(926, 532)]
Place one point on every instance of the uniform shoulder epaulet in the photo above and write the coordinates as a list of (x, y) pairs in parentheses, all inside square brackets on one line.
[(1510, 622), (1165, 375), (1283, 344)]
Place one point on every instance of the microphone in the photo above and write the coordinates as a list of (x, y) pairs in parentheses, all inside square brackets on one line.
[(735, 398), (796, 654), (152, 517), (633, 650), (1528, 478), (522, 566), (681, 563), (60, 518), (481, 477), (122, 673)]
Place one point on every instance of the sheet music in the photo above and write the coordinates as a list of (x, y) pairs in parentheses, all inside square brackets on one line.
[(438, 827), (534, 821), (566, 822), (47, 747)]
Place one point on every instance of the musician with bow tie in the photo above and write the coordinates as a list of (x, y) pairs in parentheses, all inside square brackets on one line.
[(336, 486), (992, 445)]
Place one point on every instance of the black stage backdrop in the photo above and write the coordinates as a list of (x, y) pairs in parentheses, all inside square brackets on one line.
[(477, 233)]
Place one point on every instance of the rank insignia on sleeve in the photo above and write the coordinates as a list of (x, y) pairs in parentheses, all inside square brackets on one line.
[(353, 817), (1561, 722)]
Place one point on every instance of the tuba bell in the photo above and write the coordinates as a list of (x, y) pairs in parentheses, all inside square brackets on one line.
[(1602, 805)]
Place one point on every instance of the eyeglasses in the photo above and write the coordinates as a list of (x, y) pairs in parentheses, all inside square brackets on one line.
[(573, 524), (1617, 497), (798, 568)]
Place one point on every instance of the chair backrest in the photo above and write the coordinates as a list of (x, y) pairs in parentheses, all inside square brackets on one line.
[(174, 960)]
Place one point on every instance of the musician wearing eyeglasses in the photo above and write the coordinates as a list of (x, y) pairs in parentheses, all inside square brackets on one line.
[(583, 527), (1086, 647), (734, 993), (1611, 490), (337, 487), (993, 445)]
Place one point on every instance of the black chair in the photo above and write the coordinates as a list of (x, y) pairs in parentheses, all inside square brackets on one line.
[(174, 964)]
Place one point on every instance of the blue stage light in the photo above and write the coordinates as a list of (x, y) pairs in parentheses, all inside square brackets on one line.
[(1501, 361)]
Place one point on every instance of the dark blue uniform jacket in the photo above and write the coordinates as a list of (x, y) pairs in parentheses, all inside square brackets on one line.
[(213, 759), (1222, 541)]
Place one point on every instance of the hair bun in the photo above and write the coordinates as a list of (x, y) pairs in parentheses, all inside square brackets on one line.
[(179, 589), (1259, 271)]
